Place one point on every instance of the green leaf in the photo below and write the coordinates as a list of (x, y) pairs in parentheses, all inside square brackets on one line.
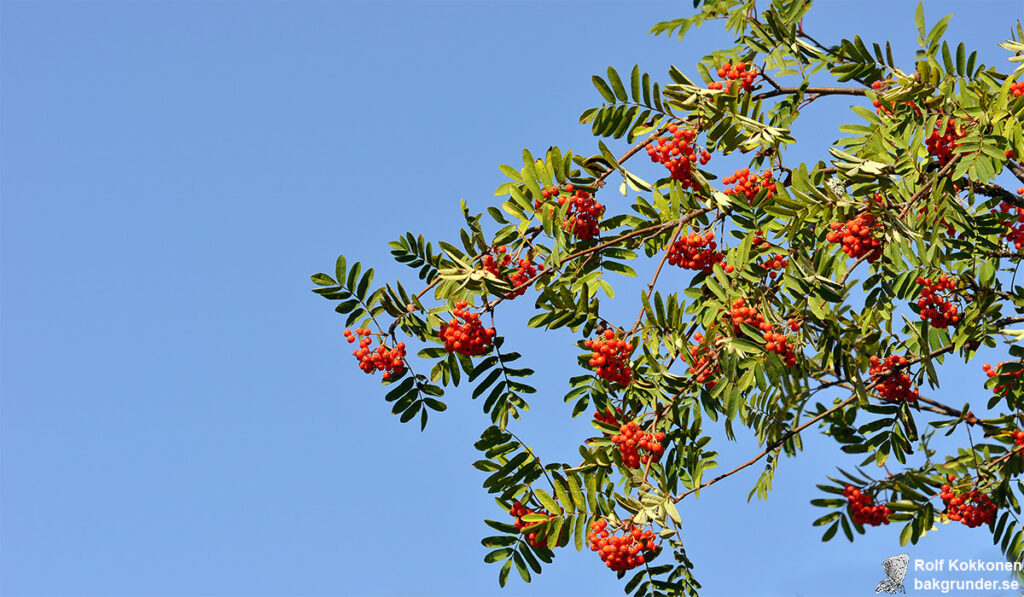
[(603, 89), (577, 494), (673, 513), (620, 91), (498, 554), (580, 531), (562, 493), (521, 566), (549, 503), (435, 404), (503, 574), (906, 534), (364, 284), (323, 280), (591, 483), (339, 267)]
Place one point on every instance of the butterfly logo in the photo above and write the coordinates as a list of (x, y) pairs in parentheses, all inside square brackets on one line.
[(895, 569)]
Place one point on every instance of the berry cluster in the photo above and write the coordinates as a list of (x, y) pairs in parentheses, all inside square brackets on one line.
[(743, 314), (695, 252), (944, 139), (950, 230), (467, 337), (608, 417), (1015, 227), (677, 152), (518, 275), (620, 552), (936, 302), (863, 510), (737, 74), (749, 185), (892, 386), (611, 358), (705, 361), (779, 344), (774, 262), (878, 86), (389, 360), (758, 242), (1018, 437), (584, 212), (536, 539), (1000, 390), (1017, 89), (859, 237), (972, 508), (881, 108), (631, 440)]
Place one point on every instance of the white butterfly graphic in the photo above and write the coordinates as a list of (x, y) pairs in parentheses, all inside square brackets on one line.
[(895, 569)]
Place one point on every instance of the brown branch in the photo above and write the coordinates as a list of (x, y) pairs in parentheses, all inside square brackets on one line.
[(1009, 320), (631, 152), (654, 280), (859, 260), (945, 169), (815, 91), (989, 189), (679, 221), (772, 446), (1016, 169)]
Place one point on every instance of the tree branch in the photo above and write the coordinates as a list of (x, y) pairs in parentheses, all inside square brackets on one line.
[(772, 446)]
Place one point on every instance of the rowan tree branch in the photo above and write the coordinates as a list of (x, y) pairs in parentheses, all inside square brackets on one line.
[(772, 446)]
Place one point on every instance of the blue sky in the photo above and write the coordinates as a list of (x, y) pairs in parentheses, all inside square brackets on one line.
[(181, 416)]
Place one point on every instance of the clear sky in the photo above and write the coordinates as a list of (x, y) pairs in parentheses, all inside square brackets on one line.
[(181, 416)]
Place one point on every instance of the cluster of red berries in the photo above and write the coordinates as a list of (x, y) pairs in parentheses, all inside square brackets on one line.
[(892, 386), (1018, 437), (678, 153), (973, 508), (743, 314), (518, 510), (774, 262), (878, 86), (863, 510), (468, 337), (736, 74), (1015, 228), (611, 358), (389, 360), (936, 302), (994, 372), (631, 440), (779, 344), (944, 139), (620, 552), (608, 417), (880, 108), (950, 230), (749, 185), (584, 213), (705, 361), (1017, 89), (518, 275), (695, 252), (859, 237)]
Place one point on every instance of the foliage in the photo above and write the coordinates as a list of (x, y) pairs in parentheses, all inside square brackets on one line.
[(773, 316)]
